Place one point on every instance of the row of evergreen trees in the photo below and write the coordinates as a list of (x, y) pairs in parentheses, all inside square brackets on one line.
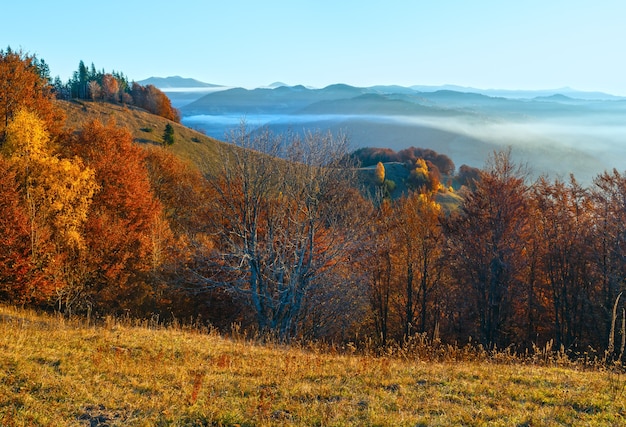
[(88, 83)]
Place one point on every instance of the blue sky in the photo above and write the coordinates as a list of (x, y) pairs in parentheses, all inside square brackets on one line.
[(530, 44)]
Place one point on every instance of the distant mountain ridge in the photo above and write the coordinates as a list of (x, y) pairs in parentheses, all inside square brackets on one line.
[(523, 94), (557, 132), (279, 100), (387, 101), (175, 82)]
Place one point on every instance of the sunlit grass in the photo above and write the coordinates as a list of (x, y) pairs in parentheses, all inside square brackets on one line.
[(146, 128), (59, 372)]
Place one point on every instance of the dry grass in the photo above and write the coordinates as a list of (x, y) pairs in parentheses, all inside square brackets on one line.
[(55, 372), (147, 128)]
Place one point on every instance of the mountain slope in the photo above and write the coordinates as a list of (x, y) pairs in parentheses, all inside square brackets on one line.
[(377, 104), (203, 151)]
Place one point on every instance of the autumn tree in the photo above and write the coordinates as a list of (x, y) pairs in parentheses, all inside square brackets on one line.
[(286, 227), (424, 177), (95, 90), (380, 173), (57, 193), (379, 268), (123, 222), (369, 156), (182, 190), (420, 248), (17, 278), (566, 227), (441, 162), (419, 174), (110, 88), (154, 100), (534, 301), (468, 176), (23, 86), (609, 197), (485, 246), (186, 198), (123, 86)]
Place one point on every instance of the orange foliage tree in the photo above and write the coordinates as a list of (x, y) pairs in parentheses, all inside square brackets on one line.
[(405, 267), (186, 199), (124, 220), (17, 280), (110, 88), (22, 86), (609, 196), (379, 267), (420, 250), (155, 101), (380, 173), (565, 227)]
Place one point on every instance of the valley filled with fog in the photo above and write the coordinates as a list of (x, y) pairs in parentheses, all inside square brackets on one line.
[(553, 134)]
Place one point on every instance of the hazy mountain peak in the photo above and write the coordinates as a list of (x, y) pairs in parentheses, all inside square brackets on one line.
[(557, 97), (276, 84), (175, 82), (340, 86)]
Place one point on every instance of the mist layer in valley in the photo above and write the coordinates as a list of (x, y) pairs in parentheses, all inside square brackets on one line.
[(555, 135)]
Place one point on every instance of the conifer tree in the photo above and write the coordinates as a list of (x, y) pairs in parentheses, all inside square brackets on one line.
[(168, 135)]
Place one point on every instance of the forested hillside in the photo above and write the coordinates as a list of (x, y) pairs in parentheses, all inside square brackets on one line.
[(274, 232)]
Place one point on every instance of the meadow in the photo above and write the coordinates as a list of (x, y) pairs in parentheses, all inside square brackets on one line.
[(56, 371)]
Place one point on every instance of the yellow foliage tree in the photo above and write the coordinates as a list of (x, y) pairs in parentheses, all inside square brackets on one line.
[(421, 170), (57, 193), (419, 248), (380, 173)]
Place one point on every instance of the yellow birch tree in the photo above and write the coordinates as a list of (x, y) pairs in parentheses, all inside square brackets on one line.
[(57, 193)]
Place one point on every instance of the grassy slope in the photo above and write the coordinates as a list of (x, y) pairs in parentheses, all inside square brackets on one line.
[(56, 372), (147, 128)]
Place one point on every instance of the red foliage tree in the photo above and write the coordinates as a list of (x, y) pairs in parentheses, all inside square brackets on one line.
[(23, 87), (152, 99), (486, 241), (125, 222), (110, 88), (565, 227), (16, 276)]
